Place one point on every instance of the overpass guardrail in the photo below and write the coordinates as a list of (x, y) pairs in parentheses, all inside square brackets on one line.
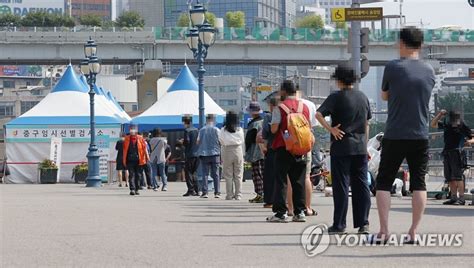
[(257, 34)]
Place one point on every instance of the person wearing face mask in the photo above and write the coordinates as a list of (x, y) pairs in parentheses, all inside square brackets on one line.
[(135, 156), (456, 134), (209, 155), (122, 172)]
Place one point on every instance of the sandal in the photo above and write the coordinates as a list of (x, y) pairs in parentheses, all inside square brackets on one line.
[(313, 213)]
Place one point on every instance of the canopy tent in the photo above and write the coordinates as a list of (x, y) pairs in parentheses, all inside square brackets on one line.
[(182, 98), (101, 99), (63, 113)]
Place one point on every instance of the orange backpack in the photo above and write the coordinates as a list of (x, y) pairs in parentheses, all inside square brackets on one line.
[(299, 139)]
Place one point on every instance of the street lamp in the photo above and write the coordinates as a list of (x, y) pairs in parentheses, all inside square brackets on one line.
[(199, 38), (90, 67)]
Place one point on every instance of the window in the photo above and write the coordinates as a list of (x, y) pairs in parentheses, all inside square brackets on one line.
[(227, 89), (36, 92), (9, 83), (6, 109), (211, 89), (27, 105), (228, 102), (1, 92), (135, 107)]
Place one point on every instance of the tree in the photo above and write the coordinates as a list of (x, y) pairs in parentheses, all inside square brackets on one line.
[(91, 20), (341, 25), (44, 19), (464, 104), (183, 20), (130, 19), (9, 20), (235, 19), (310, 21)]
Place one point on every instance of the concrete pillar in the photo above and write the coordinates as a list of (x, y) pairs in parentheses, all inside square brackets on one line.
[(147, 84)]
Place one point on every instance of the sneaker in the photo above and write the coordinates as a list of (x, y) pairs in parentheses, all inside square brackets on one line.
[(148, 187), (164, 189), (126, 185), (238, 198), (120, 185), (187, 194), (204, 196), (229, 198), (155, 189), (217, 195), (132, 193), (276, 218), (194, 194), (451, 201), (257, 199), (299, 218), (137, 193), (363, 230), (267, 205), (332, 231), (460, 202)]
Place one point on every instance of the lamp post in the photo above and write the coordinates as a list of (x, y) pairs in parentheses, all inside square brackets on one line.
[(90, 67), (199, 38)]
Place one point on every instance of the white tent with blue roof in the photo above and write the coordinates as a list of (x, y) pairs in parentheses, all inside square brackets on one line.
[(182, 98), (63, 113)]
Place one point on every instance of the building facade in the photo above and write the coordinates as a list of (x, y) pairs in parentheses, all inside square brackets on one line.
[(258, 13), (151, 11), (325, 4), (232, 93), (102, 8)]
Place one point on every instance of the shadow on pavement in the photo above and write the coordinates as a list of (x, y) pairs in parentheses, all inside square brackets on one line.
[(228, 222), (444, 211), (251, 235), (404, 255)]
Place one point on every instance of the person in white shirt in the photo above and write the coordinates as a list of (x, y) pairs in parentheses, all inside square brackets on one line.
[(231, 138)]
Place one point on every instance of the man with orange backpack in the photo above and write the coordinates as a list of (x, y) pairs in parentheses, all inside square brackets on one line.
[(293, 140)]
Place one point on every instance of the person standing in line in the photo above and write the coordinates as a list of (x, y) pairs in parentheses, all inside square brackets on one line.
[(178, 159), (158, 159), (267, 139), (456, 135), (167, 158), (253, 152), (350, 113), (209, 155), (147, 168), (122, 172), (191, 156), (407, 85), (308, 184), (135, 155), (289, 165), (231, 138)]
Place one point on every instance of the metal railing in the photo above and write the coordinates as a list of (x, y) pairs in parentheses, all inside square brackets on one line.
[(265, 34)]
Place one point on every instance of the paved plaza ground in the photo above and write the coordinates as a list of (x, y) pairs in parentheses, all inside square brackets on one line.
[(69, 225)]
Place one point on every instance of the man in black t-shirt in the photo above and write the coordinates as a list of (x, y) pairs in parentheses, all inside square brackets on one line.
[(456, 133), (407, 84)]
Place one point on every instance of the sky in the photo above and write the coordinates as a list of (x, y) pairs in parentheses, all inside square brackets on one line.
[(433, 13)]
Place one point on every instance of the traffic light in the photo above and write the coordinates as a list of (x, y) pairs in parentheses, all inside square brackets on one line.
[(364, 40)]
